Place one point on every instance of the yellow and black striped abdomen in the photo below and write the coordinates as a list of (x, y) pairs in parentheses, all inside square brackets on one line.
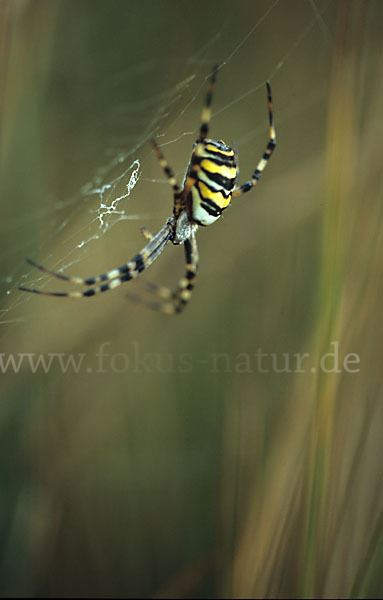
[(216, 178)]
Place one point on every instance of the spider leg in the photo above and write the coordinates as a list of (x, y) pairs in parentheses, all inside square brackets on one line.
[(177, 191), (248, 185), (192, 174), (116, 277), (173, 302), (165, 166), (206, 111)]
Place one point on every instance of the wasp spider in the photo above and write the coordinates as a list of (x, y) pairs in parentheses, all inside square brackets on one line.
[(208, 187)]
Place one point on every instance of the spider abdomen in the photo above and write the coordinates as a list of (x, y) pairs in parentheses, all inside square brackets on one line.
[(216, 178)]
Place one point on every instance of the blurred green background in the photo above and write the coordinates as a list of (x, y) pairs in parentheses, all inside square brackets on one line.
[(178, 467)]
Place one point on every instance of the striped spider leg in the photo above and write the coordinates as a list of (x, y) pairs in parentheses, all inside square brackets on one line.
[(248, 185), (163, 299), (110, 279)]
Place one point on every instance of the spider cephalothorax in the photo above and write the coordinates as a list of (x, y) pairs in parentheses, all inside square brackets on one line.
[(209, 186)]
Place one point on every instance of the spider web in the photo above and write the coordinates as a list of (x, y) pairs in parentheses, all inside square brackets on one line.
[(81, 223)]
